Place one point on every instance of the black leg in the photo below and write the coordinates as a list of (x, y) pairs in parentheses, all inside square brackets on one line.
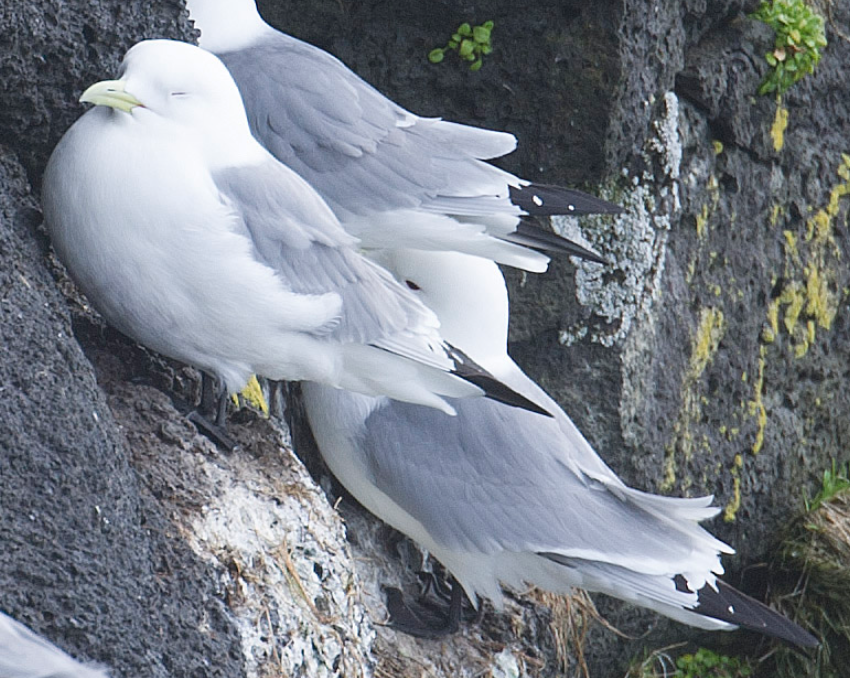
[(208, 394), (213, 405), (221, 411)]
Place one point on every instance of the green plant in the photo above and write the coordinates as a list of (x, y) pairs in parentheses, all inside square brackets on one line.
[(701, 664), (799, 38), (707, 664), (835, 480), (470, 42)]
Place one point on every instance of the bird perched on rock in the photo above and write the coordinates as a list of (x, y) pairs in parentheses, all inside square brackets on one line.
[(24, 654), (394, 179), (501, 496), (189, 237)]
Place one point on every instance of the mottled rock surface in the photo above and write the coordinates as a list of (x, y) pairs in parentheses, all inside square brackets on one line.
[(710, 359)]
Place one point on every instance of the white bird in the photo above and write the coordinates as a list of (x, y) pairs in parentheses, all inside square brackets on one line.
[(394, 179), (24, 654), (501, 496), (189, 237)]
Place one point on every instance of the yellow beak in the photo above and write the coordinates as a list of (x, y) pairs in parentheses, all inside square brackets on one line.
[(111, 93)]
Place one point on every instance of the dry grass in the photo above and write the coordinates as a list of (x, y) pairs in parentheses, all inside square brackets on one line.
[(814, 561), (572, 618)]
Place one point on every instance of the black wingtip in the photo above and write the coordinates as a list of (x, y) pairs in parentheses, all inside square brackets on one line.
[(730, 605), (496, 390), (529, 235), (547, 200), (466, 368)]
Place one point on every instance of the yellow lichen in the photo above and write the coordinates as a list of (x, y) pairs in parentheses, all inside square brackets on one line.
[(777, 130), (812, 292), (756, 405), (821, 303), (773, 315), (710, 330), (818, 225), (712, 326), (791, 245), (702, 221), (793, 296), (731, 508)]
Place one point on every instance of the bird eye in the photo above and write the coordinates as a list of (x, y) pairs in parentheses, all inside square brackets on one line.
[(412, 285), (179, 94)]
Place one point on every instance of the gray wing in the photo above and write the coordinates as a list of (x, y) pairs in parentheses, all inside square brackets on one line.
[(496, 478), (362, 152), (294, 232), (23, 654)]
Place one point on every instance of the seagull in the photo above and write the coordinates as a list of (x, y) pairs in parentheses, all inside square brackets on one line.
[(393, 178), (189, 237), (24, 654), (502, 496)]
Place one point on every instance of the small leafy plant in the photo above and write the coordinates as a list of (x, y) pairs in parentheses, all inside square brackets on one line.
[(707, 664), (799, 38), (470, 42), (703, 663)]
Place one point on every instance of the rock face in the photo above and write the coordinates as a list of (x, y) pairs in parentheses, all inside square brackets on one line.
[(709, 359)]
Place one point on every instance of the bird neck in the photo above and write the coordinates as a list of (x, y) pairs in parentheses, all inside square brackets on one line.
[(226, 25)]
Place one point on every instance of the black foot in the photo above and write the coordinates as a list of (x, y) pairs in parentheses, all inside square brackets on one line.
[(444, 590), (213, 400), (423, 621)]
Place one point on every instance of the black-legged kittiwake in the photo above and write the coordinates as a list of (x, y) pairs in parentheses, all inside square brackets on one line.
[(393, 178), (24, 654), (189, 237), (500, 496)]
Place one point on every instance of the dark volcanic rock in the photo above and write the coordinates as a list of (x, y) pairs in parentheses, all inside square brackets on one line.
[(84, 551), (83, 548)]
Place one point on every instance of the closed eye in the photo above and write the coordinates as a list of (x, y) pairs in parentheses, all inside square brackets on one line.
[(179, 94)]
